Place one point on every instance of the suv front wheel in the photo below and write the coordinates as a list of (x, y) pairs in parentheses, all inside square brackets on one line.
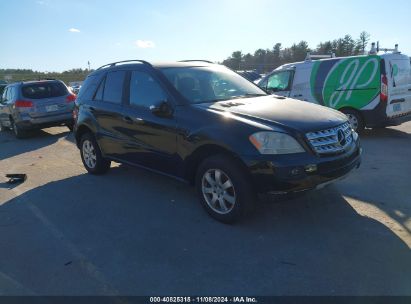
[(91, 156), (224, 189)]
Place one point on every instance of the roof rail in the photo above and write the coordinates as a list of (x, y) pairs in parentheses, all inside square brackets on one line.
[(309, 57), (124, 61), (200, 60)]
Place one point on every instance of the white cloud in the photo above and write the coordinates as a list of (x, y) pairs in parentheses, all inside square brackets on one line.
[(145, 44), (74, 30)]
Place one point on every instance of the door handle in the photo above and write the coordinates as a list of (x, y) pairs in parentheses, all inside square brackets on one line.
[(127, 119)]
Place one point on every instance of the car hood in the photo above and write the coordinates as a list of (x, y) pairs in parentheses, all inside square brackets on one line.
[(282, 112)]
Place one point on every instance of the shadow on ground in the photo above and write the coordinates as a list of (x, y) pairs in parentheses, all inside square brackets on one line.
[(11, 146), (132, 232), (384, 177)]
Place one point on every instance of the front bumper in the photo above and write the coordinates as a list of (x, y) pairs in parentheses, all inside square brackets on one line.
[(281, 174)]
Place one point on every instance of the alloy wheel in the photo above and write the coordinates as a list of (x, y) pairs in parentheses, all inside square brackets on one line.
[(353, 121), (218, 191), (89, 154)]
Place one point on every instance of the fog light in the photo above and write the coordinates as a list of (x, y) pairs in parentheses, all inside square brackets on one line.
[(310, 168)]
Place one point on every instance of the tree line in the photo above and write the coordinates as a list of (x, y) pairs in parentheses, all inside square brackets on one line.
[(14, 75), (265, 60)]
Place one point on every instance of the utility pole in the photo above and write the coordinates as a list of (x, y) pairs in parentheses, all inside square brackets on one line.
[(88, 63)]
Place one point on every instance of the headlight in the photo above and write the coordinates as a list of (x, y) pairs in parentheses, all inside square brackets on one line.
[(275, 143)]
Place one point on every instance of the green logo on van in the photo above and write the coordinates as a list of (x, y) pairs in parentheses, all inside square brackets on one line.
[(352, 82)]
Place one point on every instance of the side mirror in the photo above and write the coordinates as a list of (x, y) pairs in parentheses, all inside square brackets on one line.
[(163, 109)]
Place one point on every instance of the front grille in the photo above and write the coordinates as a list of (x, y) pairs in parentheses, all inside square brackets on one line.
[(331, 141)]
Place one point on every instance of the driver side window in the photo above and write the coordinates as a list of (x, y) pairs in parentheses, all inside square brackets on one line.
[(279, 81)]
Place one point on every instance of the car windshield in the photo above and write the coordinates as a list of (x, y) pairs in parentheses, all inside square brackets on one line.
[(210, 84), (44, 90)]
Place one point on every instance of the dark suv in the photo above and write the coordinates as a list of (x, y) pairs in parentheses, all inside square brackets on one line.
[(203, 123)]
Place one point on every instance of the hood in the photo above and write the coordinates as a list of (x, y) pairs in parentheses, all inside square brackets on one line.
[(287, 112)]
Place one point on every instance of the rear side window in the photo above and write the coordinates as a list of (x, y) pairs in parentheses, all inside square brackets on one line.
[(144, 90), (113, 88), (44, 90)]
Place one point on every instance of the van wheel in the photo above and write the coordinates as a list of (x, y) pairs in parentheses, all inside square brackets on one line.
[(355, 119), (91, 156), (224, 189)]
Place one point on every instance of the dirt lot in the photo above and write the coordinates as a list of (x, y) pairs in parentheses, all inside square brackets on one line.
[(132, 232)]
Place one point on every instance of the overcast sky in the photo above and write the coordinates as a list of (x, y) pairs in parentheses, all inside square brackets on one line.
[(56, 35)]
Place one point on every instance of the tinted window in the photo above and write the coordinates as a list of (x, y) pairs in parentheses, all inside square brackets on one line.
[(99, 93), (88, 88), (113, 89), (144, 90), (44, 90)]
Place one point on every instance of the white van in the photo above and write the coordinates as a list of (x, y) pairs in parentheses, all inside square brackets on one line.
[(373, 90)]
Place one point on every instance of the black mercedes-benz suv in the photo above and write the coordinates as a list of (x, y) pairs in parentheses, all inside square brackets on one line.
[(201, 122)]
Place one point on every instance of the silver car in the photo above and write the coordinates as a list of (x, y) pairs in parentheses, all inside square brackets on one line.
[(32, 105)]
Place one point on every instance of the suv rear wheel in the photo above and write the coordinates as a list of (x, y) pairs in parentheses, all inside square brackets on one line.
[(224, 189), (91, 156), (18, 132)]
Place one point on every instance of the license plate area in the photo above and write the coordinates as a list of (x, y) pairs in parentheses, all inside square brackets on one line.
[(52, 108), (396, 107)]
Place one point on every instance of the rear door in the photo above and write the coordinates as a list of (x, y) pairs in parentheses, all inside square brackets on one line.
[(399, 84), (107, 109)]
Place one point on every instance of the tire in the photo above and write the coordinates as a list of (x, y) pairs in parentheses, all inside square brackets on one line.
[(70, 126), (91, 155), (355, 118), (18, 132), (229, 197)]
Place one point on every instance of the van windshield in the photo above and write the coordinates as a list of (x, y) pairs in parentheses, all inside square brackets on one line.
[(44, 90), (210, 84)]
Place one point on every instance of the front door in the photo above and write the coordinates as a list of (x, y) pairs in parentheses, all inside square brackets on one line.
[(151, 133)]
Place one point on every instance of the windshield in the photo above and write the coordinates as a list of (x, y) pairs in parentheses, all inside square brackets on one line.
[(210, 84)]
